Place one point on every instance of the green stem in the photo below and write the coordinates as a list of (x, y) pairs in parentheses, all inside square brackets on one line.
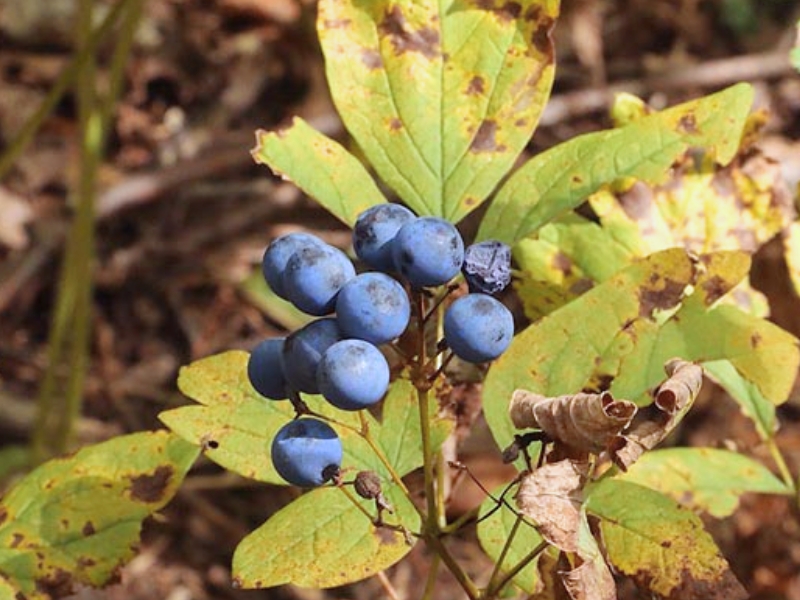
[(506, 546), (780, 462), (469, 587), (60, 87), (430, 583), (491, 592)]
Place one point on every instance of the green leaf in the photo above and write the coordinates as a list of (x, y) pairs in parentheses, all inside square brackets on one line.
[(566, 259), (320, 167), (494, 531), (236, 426), (481, 73), (559, 179), (661, 545), (76, 520), (559, 354), (753, 404), (704, 478), (323, 540)]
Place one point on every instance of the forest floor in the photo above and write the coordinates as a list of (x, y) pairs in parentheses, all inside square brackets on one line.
[(183, 216)]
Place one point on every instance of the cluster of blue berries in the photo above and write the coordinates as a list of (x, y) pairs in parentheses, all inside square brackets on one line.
[(338, 357)]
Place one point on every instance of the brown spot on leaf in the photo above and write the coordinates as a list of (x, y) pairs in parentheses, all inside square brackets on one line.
[(755, 340), (541, 38), (404, 39), (470, 201), (660, 297), (371, 59), (520, 122), (56, 585), (533, 12), (151, 488), (336, 23), (385, 536), (88, 529), (86, 562), (562, 262), (688, 124), (395, 124), (577, 179), (724, 587), (3, 514), (16, 539), (715, 288), (477, 86), (599, 382), (485, 139), (20, 596)]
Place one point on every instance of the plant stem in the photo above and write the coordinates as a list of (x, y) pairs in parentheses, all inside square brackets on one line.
[(60, 87), (430, 583), (469, 587), (491, 592), (780, 462), (506, 546)]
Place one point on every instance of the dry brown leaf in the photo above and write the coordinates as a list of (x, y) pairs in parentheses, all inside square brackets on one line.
[(672, 399), (583, 422), (552, 496), (590, 581)]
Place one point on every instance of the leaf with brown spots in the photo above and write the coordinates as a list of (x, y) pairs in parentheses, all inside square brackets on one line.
[(562, 352), (466, 79), (558, 180), (659, 544), (323, 540), (583, 423), (320, 167), (76, 520), (708, 479)]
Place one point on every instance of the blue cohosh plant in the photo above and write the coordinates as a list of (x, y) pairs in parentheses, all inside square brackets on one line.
[(627, 311)]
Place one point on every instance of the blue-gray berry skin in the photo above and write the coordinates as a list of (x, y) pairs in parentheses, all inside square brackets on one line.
[(428, 251), (373, 307), (487, 266), (353, 374), (303, 350), (278, 254), (305, 452), (478, 328), (374, 233), (265, 369), (313, 277)]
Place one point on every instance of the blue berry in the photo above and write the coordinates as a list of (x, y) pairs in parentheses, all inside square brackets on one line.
[(303, 350), (306, 452), (278, 254), (374, 231), (353, 374), (478, 328), (428, 251), (487, 267), (265, 370), (373, 307), (313, 277)]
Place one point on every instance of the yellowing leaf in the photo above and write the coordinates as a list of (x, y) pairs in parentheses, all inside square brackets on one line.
[(561, 352), (441, 95), (320, 167), (235, 426), (661, 545), (708, 479), (75, 520), (323, 540), (559, 179)]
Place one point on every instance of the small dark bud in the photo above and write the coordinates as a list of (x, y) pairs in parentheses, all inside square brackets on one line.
[(331, 473), (487, 267), (368, 485), (511, 453)]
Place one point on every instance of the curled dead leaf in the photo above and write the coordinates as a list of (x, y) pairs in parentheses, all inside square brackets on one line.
[(673, 398), (552, 496), (582, 422)]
